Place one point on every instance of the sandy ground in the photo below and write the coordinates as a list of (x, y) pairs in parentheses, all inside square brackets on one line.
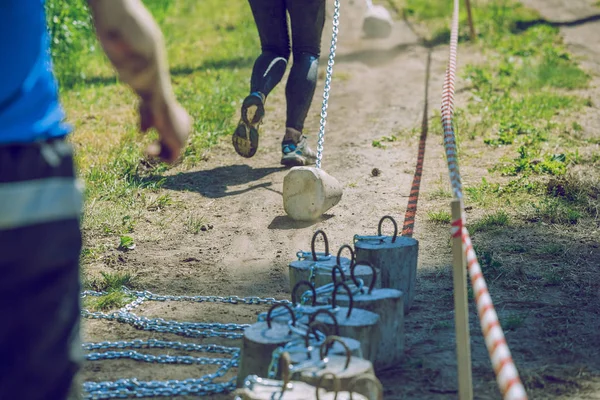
[(378, 90)]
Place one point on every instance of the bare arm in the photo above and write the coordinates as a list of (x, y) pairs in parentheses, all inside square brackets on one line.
[(134, 44)]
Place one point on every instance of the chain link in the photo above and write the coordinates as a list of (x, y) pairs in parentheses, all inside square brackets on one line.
[(204, 386), (327, 89)]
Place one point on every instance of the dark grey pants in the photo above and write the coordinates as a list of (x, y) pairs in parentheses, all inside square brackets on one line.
[(40, 241), (307, 19)]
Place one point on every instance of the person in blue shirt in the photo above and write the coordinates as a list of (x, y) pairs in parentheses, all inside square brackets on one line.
[(40, 198)]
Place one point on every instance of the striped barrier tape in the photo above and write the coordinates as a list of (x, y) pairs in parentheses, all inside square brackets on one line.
[(507, 376), (448, 108)]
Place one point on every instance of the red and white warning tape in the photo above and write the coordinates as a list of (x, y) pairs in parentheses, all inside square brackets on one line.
[(507, 375), (448, 108)]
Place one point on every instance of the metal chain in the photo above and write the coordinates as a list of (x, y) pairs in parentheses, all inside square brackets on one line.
[(204, 386), (327, 89)]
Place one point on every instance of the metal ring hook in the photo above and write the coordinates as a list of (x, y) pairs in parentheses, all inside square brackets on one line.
[(352, 255), (312, 290), (393, 222), (374, 274), (336, 385), (324, 349), (334, 274), (350, 299), (313, 318), (314, 239), (284, 306)]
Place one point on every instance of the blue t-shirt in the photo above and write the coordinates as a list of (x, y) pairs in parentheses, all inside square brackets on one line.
[(29, 105)]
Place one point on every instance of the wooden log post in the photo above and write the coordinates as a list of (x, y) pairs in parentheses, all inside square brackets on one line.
[(396, 258), (316, 268), (310, 350), (389, 305), (461, 308), (472, 33), (257, 388), (354, 323), (259, 342), (344, 368)]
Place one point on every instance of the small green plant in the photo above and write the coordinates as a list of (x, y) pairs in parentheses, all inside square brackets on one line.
[(553, 276), (440, 325), (490, 221), (126, 243), (513, 321), (439, 217), (160, 202), (516, 248), (112, 283), (194, 224), (555, 211), (377, 144), (440, 193), (552, 249)]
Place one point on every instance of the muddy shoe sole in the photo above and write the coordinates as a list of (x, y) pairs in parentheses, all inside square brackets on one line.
[(245, 137), (245, 140)]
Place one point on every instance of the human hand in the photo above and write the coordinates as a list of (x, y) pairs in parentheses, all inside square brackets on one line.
[(173, 124)]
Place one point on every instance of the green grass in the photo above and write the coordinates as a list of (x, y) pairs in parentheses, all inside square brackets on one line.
[(195, 224), (490, 221), (439, 217), (211, 50), (440, 194), (513, 321), (523, 95), (113, 284)]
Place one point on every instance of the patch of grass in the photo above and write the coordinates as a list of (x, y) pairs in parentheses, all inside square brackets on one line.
[(378, 144), (521, 94), (553, 210), (439, 194), (516, 248), (211, 50), (527, 162), (160, 202), (491, 266), (194, 224), (126, 243), (112, 283), (441, 325), (439, 217), (513, 322), (112, 300), (490, 221), (553, 276), (552, 249)]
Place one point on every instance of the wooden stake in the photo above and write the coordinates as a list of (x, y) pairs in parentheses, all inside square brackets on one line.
[(470, 16), (461, 311)]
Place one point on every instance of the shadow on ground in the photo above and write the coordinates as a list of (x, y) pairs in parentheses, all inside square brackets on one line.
[(217, 182), (177, 71)]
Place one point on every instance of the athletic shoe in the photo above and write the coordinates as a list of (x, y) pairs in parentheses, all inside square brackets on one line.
[(297, 154), (245, 137)]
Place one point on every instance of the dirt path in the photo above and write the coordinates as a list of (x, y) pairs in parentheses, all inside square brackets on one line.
[(378, 90)]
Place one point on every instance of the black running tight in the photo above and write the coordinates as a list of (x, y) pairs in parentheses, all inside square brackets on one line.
[(307, 19)]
